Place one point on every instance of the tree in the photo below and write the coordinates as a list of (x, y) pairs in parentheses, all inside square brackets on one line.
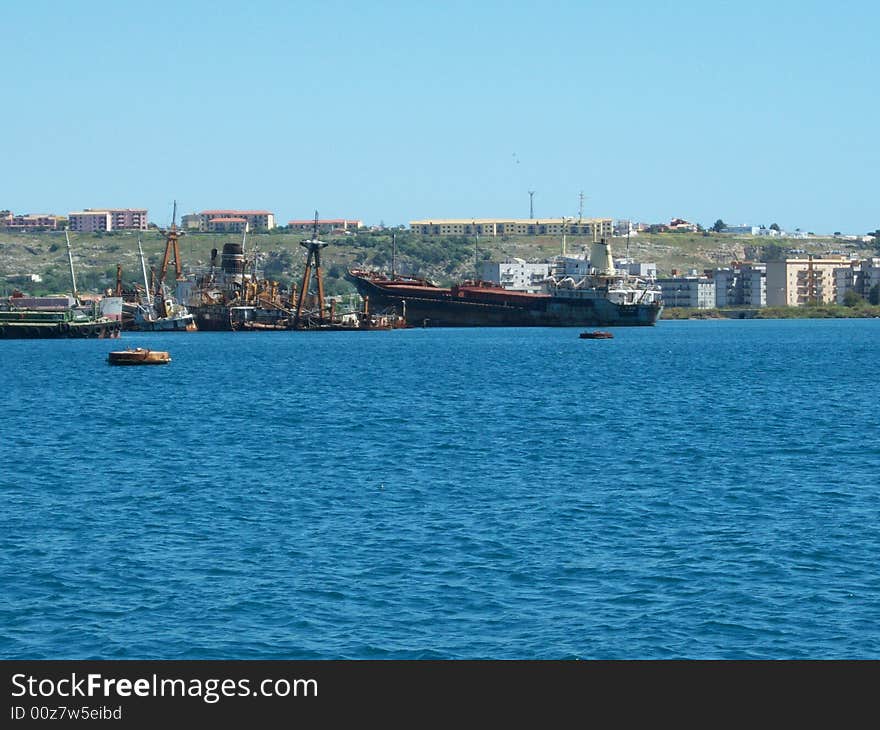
[(775, 227), (719, 226), (874, 295), (852, 299), (772, 252)]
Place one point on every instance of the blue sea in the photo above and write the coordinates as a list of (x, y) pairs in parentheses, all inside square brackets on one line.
[(704, 490)]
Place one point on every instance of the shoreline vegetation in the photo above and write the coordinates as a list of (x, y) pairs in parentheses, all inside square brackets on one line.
[(812, 311)]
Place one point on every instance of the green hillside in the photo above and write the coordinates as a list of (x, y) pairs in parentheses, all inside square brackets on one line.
[(444, 260)]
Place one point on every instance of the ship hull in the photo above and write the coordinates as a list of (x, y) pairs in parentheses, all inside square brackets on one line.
[(60, 330), (165, 324), (445, 310), (226, 318)]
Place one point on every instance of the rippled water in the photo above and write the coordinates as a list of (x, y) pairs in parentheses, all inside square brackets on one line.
[(692, 490)]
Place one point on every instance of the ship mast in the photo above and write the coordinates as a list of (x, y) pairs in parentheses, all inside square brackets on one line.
[(144, 269), (70, 261), (171, 238), (313, 246)]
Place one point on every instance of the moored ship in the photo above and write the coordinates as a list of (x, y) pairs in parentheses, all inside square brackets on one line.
[(58, 317), (61, 316), (227, 298), (160, 312), (603, 297)]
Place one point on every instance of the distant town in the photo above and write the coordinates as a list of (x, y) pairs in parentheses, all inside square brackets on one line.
[(794, 279)]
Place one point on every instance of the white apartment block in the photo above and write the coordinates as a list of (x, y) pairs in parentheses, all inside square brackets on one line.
[(743, 285), (636, 268), (516, 274), (859, 276), (689, 291)]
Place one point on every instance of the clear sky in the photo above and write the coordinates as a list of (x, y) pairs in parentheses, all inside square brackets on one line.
[(753, 112)]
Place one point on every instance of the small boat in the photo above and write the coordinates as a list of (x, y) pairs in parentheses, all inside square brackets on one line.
[(138, 356), (596, 335)]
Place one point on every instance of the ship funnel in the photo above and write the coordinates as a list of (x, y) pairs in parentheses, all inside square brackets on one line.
[(232, 261), (600, 258)]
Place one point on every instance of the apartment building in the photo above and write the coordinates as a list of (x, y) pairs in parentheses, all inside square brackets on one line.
[(227, 225), (129, 218), (257, 220), (516, 274), (688, 291), (797, 282), (742, 285), (90, 221), (190, 222), (860, 277), (326, 225), (29, 222), (108, 219), (598, 227)]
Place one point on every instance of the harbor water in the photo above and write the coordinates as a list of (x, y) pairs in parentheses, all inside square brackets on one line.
[(706, 490)]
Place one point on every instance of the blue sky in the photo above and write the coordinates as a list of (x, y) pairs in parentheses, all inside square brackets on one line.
[(394, 111)]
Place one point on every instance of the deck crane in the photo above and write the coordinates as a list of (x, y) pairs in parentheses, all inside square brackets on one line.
[(171, 239)]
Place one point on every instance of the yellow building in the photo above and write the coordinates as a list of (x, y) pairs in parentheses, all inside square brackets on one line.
[(603, 227), (797, 282), (257, 220)]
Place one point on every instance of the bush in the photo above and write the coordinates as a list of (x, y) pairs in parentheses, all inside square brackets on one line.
[(852, 299)]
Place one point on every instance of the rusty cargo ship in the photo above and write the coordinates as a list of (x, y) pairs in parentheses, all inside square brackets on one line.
[(603, 298)]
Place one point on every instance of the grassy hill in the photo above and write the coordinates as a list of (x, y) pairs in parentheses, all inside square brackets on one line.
[(445, 260)]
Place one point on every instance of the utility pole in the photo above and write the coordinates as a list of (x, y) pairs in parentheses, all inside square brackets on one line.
[(531, 204)]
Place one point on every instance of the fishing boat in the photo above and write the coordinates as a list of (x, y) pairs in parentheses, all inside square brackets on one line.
[(596, 335), (139, 356)]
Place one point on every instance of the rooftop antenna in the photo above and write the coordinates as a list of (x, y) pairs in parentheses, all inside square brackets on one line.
[(531, 204), (70, 261)]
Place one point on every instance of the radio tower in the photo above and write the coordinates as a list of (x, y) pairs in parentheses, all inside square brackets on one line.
[(531, 204)]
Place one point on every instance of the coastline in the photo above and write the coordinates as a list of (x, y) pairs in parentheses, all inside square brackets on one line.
[(822, 311)]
